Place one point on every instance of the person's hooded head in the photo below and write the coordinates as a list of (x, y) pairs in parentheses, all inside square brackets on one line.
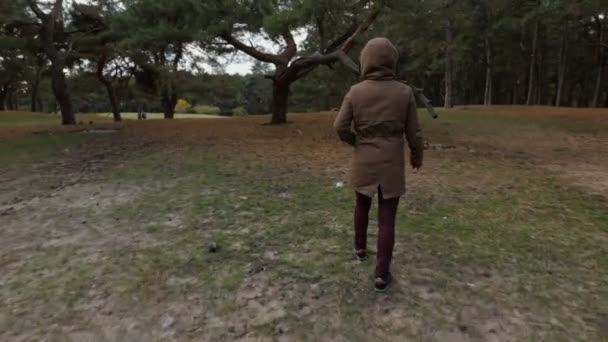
[(379, 60)]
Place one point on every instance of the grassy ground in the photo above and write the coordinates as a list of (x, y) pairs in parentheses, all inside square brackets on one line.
[(160, 116), (23, 119), (231, 230)]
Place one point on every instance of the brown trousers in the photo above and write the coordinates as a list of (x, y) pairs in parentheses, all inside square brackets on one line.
[(387, 212)]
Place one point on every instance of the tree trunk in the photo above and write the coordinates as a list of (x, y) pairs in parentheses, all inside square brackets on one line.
[(10, 100), (3, 93), (168, 101), (600, 57), (538, 99), (561, 69), (52, 23), (60, 90), (170, 93), (35, 83), (487, 99), (280, 101), (34, 96), (515, 94), (531, 81), (114, 102), (598, 86), (449, 34)]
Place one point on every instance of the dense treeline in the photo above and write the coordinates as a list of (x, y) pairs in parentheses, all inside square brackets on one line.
[(114, 56)]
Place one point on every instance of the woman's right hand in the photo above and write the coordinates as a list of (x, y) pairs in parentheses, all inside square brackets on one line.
[(415, 161)]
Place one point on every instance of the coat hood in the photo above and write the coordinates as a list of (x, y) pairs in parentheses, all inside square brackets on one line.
[(379, 60)]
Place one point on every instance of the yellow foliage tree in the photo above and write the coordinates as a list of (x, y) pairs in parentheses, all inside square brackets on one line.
[(183, 106)]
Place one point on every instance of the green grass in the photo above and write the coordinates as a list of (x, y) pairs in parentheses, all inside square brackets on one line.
[(24, 119), (540, 222), (481, 122), (41, 147), (10, 120), (160, 116), (18, 119), (530, 232)]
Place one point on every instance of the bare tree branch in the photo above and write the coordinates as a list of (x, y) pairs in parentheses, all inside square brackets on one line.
[(302, 66), (57, 9), (348, 44), (37, 11), (341, 39), (292, 49), (250, 50)]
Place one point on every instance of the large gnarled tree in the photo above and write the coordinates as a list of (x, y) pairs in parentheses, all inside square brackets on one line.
[(52, 37), (340, 19)]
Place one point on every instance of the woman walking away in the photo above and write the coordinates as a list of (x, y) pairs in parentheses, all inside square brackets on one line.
[(375, 116)]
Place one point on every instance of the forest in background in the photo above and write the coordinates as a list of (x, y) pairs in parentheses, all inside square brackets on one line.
[(115, 56)]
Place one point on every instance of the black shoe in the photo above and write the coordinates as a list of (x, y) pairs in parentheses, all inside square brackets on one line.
[(361, 254), (383, 283)]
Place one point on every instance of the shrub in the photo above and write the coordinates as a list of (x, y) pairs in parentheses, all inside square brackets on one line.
[(204, 109), (239, 111)]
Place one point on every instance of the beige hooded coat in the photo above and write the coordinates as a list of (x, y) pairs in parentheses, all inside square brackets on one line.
[(375, 116)]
